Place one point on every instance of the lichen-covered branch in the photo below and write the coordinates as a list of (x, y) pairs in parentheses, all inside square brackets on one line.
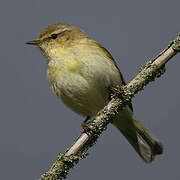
[(120, 96)]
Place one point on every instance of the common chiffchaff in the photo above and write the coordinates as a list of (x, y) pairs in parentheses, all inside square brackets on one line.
[(81, 73)]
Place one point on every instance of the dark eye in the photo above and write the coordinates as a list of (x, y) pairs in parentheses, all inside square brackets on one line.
[(54, 36)]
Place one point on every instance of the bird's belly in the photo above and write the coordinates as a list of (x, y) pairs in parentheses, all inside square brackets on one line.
[(86, 96)]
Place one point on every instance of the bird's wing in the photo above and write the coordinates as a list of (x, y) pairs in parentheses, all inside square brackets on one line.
[(114, 62)]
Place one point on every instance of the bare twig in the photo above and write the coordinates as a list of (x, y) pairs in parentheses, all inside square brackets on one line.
[(123, 95)]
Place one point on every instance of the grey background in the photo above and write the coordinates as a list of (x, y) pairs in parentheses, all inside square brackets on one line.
[(35, 126)]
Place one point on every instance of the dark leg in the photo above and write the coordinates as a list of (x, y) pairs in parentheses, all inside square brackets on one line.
[(84, 124), (87, 118)]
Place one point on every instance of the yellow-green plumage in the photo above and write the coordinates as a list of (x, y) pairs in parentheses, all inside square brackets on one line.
[(83, 80), (81, 73)]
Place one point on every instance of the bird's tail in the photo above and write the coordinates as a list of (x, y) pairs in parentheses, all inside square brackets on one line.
[(146, 145)]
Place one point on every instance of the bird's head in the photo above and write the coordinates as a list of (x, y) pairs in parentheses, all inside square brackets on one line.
[(56, 38)]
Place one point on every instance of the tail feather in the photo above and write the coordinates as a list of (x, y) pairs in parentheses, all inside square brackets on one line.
[(146, 145)]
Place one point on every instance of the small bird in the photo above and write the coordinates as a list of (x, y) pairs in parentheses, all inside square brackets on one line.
[(82, 72)]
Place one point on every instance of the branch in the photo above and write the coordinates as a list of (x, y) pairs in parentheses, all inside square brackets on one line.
[(121, 96)]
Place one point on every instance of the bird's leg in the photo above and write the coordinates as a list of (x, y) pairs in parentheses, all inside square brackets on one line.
[(84, 124), (87, 118)]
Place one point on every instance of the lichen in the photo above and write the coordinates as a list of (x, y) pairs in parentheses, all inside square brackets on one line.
[(176, 45), (60, 168)]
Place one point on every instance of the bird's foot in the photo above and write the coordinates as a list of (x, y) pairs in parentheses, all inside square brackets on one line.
[(114, 91)]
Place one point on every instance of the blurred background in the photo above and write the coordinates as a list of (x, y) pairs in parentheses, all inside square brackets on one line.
[(35, 126)]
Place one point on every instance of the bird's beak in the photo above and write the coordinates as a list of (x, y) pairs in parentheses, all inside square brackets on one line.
[(35, 42)]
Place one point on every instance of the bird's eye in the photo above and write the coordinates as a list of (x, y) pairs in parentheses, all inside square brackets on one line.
[(54, 36)]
